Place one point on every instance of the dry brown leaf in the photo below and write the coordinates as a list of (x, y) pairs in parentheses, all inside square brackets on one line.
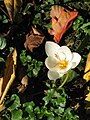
[(61, 20), (9, 74), (13, 7), (35, 31), (1, 82), (33, 40), (87, 69), (24, 80), (24, 83), (2, 107), (88, 97)]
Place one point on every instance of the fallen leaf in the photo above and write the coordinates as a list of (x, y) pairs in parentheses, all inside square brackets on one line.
[(12, 7), (35, 31), (24, 83), (87, 69), (2, 107), (9, 74), (33, 40), (61, 21), (1, 82), (88, 97)]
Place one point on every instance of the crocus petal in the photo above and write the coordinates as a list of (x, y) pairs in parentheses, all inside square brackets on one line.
[(52, 75), (66, 51), (51, 48), (75, 59), (60, 56), (51, 62)]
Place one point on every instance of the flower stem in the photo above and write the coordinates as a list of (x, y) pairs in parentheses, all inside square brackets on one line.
[(64, 82)]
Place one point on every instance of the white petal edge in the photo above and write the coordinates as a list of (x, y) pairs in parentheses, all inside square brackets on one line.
[(66, 51), (51, 48), (52, 75), (50, 62), (75, 59)]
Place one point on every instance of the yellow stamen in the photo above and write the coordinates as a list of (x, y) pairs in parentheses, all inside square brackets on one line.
[(62, 64)]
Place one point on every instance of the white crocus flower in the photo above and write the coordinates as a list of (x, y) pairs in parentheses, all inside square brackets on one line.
[(59, 60)]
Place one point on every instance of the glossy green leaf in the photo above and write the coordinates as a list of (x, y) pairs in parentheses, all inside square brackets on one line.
[(2, 43), (16, 114), (16, 102), (29, 106), (1, 59)]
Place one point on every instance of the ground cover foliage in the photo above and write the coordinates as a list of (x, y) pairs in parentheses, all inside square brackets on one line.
[(26, 93)]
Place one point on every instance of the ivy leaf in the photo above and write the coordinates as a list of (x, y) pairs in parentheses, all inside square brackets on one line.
[(69, 115), (86, 28), (2, 43), (16, 114), (77, 23), (16, 102), (29, 106), (50, 94)]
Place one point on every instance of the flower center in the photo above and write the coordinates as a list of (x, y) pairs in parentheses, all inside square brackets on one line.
[(62, 64)]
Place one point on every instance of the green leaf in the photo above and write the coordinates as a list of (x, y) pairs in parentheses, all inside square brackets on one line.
[(29, 106), (59, 111), (69, 115), (77, 23), (5, 21), (59, 101), (16, 114), (70, 75), (23, 57), (35, 72), (29, 58), (27, 9), (51, 1), (1, 59), (86, 28), (16, 102), (2, 43), (49, 96)]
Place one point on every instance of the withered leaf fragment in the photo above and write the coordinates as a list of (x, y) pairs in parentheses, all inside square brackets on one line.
[(61, 21), (87, 69), (23, 85), (34, 40), (88, 97), (9, 74), (12, 7)]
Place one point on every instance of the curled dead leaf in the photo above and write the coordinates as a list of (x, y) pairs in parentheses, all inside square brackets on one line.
[(88, 97), (87, 69), (12, 7), (9, 74), (1, 83), (61, 20), (24, 83), (34, 40), (2, 107)]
